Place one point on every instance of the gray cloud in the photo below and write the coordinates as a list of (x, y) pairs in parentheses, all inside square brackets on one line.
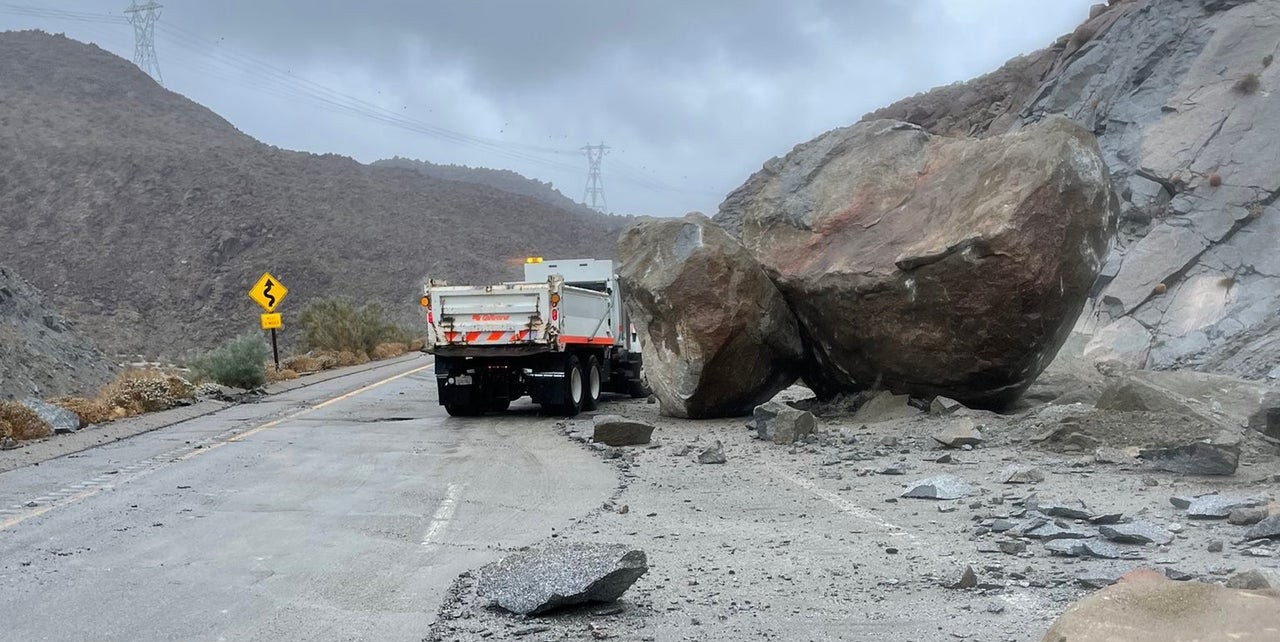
[(693, 96)]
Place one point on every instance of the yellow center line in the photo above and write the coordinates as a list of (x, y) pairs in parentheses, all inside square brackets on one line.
[(86, 494)]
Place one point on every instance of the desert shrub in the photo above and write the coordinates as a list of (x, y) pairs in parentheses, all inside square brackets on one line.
[(139, 391), (90, 411), (1248, 84), (388, 350), (285, 374), (338, 325), (417, 344), (21, 423), (302, 363), (236, 363)]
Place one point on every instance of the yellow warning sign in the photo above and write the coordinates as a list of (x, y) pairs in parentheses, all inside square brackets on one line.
[(268, 292), (272, 321)]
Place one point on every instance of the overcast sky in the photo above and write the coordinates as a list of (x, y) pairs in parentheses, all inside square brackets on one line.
[(691, 95)]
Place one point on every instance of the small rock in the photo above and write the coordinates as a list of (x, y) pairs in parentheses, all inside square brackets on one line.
[(1021, 475), (1246, 516), (1084, 548), (713, 454), (1110, 456), (1137, 533), (1268, 528), (959, 435), (1196, 458), (614, 430), (1178, 576), (1074, 509), (1220, 506), (944, 405), (1012, 546), (968, 579), (62, 421), (1182, 502), (1001, 525), (1252, 580), (893, 469), (1215, 546), (1097, 580), (944, 487)]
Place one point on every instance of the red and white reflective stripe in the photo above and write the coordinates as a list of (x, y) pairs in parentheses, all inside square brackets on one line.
[(595, 341), (488, 338)]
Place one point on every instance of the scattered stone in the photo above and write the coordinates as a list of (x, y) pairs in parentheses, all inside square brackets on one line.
[(1051, 531), (1252, 580), (1195, 458), (9, 443), (885, 406), (1219, 506), (713, 454), (62, 421), (1246, 516), (968, 579), (1109, 518), (614, 430), (1182, 502), (943, 487), (1021, 475), (1111, 456), (959, 435), (560, 574), (1215, 546), (1084, 548), (1074, 509), (1268, 528), (1001, 525), (944, 405), (995, 608), (787, 426), (1097, 580), (1178, 575), (530, 630), (893, 469), (1137, 533), (1012, 546)]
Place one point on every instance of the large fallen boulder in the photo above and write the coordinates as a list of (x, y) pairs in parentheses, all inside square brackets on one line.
[(718, 337), (560, 574), (931, 265), (1146, 607)]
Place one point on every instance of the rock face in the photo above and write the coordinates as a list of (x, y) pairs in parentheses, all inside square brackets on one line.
[(41, 353), (1154, 609), (561, 574), (931, 265), (1181, 96), (718, 336)]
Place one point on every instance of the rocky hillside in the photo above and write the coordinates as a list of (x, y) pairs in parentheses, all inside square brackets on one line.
[(147, 217), (40, 353), (503, 179), (1182, 95)]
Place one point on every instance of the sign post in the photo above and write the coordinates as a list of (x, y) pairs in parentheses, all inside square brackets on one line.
[(268, 292)]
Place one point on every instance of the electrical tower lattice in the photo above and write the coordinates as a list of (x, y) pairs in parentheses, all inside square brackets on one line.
[(143, 17), (593, 195)]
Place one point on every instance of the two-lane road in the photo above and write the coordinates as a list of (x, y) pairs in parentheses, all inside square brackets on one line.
[(340, 511)]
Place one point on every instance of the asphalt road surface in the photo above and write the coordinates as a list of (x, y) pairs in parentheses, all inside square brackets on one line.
[(340, 511)]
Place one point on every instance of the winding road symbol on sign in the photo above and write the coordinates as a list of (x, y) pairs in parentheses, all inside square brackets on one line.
[(268, 292)]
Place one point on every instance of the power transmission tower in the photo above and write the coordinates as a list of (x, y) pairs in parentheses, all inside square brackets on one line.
[(593, 196), (143, 17)]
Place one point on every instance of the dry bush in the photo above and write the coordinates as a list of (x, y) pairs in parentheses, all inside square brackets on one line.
[(236, 363), (21, 422), (90, 411), (347, 358), (303, 363), (388, 351), (417, 344), (1248, 84), (139, 391), (285, 374)]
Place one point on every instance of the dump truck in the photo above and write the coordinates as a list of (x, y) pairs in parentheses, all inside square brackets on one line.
[(561, 337)]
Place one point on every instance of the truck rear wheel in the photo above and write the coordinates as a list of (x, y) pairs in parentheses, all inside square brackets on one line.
[(591, 389), (574, 387), (463, 410)]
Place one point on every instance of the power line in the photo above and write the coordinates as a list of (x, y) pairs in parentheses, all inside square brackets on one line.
[(593, 195), (143, 17)]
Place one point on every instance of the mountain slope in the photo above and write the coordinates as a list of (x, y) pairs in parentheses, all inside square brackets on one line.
[(40, 353), (148, 216), (503, 179)]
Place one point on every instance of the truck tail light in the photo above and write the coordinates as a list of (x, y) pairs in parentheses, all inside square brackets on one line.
[(431, 318), (555, 314)]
